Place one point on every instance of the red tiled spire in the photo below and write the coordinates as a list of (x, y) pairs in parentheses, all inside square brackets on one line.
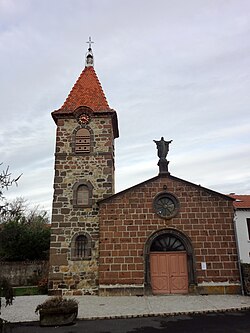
[(87, 91)]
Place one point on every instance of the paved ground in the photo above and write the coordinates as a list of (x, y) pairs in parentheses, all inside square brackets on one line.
[(92, 307), (228, 322)]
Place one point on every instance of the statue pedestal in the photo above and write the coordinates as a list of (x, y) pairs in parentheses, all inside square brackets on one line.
[(163, 167)]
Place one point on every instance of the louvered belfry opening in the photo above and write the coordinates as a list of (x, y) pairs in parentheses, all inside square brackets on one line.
[(82, 143)]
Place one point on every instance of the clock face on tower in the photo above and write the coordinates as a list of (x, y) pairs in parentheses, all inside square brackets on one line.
[(166, 205), (84, 119)]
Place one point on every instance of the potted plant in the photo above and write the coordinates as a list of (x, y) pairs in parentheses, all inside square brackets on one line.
[(57, 311)]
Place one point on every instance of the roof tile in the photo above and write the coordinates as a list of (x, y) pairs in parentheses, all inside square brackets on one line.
[(87, 91), (241, 200)]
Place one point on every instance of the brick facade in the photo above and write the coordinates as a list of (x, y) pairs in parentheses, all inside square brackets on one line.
[(128, 220)]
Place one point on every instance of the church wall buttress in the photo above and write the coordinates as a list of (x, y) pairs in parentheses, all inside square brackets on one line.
[(69, 273)]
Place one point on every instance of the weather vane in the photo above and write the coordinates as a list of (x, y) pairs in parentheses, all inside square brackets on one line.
[(89, 42)]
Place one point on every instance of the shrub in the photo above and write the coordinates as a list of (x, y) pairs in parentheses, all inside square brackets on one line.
[(43, 286), (58, 304), (6, 291)]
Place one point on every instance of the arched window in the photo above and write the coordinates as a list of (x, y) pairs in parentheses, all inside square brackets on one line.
[(81, 247), (82, 194), (166, 243), (82, 141)]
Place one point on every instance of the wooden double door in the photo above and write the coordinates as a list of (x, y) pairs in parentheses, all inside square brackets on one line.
[(168, 272)]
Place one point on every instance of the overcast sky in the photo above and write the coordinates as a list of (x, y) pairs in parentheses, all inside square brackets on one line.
[(178, 69)]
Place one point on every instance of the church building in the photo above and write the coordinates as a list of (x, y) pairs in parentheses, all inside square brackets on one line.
[(163, 236)]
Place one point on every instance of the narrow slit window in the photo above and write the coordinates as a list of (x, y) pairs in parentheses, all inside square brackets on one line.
[(82, 143)]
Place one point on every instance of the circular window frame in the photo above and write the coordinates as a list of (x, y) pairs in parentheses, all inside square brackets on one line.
[(171, 197)]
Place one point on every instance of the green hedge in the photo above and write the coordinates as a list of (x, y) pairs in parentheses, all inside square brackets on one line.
[(26, 291)]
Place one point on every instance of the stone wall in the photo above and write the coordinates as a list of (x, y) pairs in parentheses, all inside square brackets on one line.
[(128, 219), (245, 269), (24, 273), (68, 275)]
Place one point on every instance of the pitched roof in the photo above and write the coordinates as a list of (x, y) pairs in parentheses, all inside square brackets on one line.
[(224, 196), (241, 200), (87, 91)]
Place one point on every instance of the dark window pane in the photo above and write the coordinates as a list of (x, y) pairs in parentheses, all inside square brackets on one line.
[(165, 243), (81, 246), (248, 228)]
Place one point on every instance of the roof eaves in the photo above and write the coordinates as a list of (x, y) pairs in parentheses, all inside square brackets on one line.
[(169, 176), (126, 190), (204, 188)]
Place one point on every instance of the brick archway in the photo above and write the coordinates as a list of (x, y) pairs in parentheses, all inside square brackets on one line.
[(187, 248)]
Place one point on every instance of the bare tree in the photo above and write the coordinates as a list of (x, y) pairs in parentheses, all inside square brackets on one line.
[(6, 180)]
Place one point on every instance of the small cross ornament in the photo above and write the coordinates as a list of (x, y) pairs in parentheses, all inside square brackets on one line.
[(90, 42)]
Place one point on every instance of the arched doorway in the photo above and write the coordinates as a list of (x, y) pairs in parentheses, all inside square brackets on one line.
[(169, 263)]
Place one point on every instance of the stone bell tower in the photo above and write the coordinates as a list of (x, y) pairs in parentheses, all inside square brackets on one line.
[(84, 174)]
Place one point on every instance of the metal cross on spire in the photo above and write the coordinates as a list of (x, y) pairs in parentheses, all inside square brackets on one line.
[(89, 42), (89, 60)]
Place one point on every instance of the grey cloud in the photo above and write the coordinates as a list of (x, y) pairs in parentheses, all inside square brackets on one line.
[(179, 70)]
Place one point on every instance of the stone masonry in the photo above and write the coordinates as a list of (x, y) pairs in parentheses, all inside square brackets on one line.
[(67, 276)]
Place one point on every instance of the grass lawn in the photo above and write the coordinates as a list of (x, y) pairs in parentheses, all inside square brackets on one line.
[(25, 291)]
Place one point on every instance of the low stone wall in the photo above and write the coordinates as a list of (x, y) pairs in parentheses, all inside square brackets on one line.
[(245, 269), (24, 273)]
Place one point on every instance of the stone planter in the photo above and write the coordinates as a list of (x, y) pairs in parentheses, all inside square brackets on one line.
[(57, 316)]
